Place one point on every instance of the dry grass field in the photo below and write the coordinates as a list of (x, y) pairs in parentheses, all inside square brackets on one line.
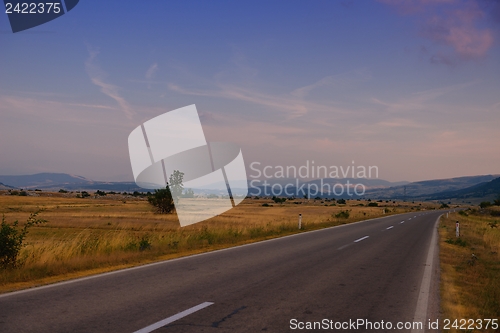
[(470, 266), (84, 236)]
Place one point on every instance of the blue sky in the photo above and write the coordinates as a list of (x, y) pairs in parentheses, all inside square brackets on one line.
[(411, 87)]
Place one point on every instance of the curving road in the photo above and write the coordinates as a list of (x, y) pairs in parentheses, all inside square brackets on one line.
[(376, 270)]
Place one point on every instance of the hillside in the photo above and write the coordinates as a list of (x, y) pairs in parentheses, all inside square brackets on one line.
[(56, 181), (427, 188), (486, 190), (439, 189), (5, 187), (43, 180)]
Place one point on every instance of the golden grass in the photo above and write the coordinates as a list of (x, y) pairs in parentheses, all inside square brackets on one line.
[(86, 236), (470, 268)]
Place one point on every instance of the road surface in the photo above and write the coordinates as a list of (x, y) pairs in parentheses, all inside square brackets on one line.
[(377, 270)]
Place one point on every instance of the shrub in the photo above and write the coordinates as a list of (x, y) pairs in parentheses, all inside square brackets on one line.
[(443, 205), (485, 204), (11, 239), (189, 193), (344, 214), (456, 241), (341, 201), (164, 199), (100, 193), (278, 200), (144, 244), (372, 204)]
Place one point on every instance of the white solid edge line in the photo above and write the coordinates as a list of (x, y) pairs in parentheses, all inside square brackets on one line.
[(425, 286), (173, 318), (56, 284), (360, 239)]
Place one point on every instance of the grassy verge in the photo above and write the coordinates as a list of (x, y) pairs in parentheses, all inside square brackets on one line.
[(470, 267), (93, 235)]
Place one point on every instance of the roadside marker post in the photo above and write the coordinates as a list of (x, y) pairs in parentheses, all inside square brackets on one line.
[(300, 221), (458, 229)]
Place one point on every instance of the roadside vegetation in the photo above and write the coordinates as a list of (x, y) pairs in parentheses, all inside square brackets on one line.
[(107, 231), (470, 265)]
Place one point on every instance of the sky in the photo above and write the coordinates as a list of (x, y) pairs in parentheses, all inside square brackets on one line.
[(410, 87)]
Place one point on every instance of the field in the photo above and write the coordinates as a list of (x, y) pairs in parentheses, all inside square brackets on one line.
[(84, 236), (470, 266)]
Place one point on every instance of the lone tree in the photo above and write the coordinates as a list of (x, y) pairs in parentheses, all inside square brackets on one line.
[(164, 200)]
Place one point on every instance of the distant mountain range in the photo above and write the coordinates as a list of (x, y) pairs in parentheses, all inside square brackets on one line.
[(5, 187), (461, 188), (488, 190), (428, 188), (56, 181)]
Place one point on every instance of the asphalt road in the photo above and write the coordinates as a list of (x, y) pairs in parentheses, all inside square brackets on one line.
[(372, 271)]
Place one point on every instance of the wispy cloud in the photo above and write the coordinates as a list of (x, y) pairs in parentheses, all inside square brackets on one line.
[(150, 73), (296, 103), (292, 104), (304, 91), (37, 108), (419, 100), (98, 78), (452, 25), (343, 79)]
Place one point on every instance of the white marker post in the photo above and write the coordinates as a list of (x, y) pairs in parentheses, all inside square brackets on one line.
[(458, 229), (300, 221), (446, 214)]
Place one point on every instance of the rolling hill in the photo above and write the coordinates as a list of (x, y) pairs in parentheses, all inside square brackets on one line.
[(487, 190)]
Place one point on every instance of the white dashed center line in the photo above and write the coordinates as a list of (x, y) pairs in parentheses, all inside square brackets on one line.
[(178, 316), (343, 247), (362, 238), (390, 227), (402, 222)]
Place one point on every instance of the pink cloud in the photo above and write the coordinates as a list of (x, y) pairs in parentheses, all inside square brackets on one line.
[(414, 6), (455, 24), (458, 29)]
